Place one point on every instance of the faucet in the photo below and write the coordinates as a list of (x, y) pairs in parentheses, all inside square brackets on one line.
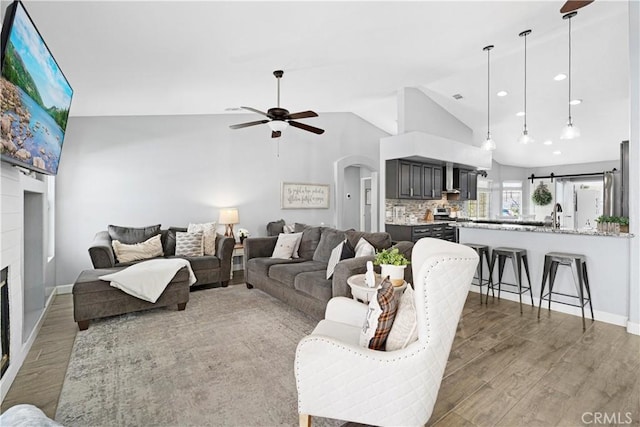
[(556, 210)]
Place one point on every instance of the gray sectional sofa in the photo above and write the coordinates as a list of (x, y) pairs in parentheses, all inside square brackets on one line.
[(208, 269), (302, 282)]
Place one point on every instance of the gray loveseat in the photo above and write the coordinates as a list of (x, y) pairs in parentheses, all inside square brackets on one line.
[(302, 282), (208, 269)]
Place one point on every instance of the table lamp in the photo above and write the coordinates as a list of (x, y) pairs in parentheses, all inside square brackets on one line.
[(228, 217)]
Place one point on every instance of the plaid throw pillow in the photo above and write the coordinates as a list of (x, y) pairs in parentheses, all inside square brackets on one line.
[(380, 317)]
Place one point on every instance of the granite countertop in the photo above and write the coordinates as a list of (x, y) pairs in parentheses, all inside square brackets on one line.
[(538, 229), (417, 223)]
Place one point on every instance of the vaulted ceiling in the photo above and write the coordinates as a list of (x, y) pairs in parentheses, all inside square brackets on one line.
[(210, 57)]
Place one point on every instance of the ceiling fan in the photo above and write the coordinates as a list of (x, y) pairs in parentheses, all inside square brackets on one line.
[(279, 118), (572, 5)]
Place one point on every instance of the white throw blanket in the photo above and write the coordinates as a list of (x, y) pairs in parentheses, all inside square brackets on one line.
[(148, 279)]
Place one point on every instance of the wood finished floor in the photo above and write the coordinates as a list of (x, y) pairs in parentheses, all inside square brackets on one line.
[(505, 369)]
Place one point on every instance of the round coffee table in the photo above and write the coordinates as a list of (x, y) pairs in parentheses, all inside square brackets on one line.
[(361, 292)]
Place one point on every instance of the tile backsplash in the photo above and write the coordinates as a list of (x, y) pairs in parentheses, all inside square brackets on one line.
[(418, 208)]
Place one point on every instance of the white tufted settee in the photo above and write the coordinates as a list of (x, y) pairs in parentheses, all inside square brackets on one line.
[(336, 378)]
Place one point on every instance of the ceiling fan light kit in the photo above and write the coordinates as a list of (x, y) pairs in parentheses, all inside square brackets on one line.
[(279, 119), (570, 131), (488, 144), (525, 138)]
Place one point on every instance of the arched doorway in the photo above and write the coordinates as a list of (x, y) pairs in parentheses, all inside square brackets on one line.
[(357, 190)]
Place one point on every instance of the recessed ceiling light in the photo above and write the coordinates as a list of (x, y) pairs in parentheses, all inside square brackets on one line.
[(560, 77), (575, 101), (520, 113), (502, 93), (557, 152), (548, 142)]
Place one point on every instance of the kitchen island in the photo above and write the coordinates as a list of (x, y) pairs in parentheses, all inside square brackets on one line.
[(607, 262)]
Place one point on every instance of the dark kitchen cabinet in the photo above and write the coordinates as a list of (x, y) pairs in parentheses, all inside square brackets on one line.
[(466, 181), (413, 233), (413, 180)]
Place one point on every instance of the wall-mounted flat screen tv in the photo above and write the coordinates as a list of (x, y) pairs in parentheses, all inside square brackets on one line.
[(35, 96)]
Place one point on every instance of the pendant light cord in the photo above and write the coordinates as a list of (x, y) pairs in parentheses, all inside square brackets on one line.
[(488, 93), (525, 82), (570, 70)]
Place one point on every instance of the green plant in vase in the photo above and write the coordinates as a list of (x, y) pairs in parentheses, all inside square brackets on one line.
[(392, 264)]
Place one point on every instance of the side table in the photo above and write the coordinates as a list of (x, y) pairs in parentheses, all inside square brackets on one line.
[(362, 293), (238, 251)]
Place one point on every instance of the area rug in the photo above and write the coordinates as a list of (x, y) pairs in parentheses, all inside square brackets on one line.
[(227, 360)]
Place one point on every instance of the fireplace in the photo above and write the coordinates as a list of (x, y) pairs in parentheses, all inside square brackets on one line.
[(4, 319)]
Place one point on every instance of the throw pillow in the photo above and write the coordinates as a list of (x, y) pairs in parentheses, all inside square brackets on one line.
[(340, 252), (310, 240), (297, 247), (208, 235), (138, 251), (274, 228), (131, 235), (329, 239), (405, 327), (189, 244), (285, 245), (380, 316), (379, 240), (364, 248), (289, 228)]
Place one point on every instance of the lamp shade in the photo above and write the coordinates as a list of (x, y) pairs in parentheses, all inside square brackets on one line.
[(488, 144), (229, 216), (570, 131), (278, 125)]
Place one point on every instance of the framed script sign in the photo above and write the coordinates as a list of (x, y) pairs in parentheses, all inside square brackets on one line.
[(304, 196)]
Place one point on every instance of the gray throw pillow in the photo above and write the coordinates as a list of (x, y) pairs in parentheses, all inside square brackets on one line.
[(169, 245), (274, 228), (309, 241), (329, 239), (132, 235)]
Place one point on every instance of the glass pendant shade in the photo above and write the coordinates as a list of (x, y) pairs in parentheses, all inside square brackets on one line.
[(488, 144), (525, 138), (570, 131), (278, 125)]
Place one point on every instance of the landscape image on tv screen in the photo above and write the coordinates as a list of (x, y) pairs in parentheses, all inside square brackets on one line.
[(35, 100)]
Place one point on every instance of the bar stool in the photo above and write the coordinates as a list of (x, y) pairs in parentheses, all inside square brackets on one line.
[(518, 259), (578, 265), (481, 250)]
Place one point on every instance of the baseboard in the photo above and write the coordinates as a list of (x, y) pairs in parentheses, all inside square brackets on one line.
[(633, 328), (601, 316), (64, 289), (15, 365)]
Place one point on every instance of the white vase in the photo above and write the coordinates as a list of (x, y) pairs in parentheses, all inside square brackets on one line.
[(395, 273)]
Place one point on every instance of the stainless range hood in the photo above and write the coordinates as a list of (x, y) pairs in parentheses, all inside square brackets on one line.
[(448, 180)]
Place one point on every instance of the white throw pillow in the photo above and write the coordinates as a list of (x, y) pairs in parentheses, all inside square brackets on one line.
[(189, 244), (144, 250), (405, 326), (364, 248), (380, 316), (286, 244), (289, 228), (342, 251), (208, 236)]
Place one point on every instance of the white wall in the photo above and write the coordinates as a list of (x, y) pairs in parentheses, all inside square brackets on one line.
[(418, 112), (634, 161), (351, 204), (174, 170)]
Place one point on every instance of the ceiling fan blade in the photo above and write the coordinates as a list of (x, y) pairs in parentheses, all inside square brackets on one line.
[(572, 5), (276, 134), (256, 111), (306, 127), (245, 125), (302, 115)]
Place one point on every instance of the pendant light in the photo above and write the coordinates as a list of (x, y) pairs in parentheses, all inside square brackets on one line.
[(488, 144), (525, 138), (570, 131)]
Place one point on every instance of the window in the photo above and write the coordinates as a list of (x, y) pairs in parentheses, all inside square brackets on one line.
[(512, 199), (481, 208)]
